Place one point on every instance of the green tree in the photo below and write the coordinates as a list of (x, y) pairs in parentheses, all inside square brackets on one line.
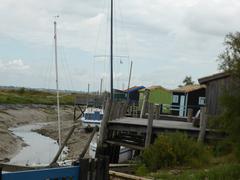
[(229, 62), (188, 81)]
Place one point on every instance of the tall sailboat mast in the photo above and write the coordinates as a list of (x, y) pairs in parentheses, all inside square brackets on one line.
[(111, 52), (57, 84)]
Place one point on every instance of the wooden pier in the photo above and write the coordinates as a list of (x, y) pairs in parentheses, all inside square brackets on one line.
[(138, 133), (131, 132)]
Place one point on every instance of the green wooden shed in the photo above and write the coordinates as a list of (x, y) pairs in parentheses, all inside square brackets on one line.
[(157, 95)]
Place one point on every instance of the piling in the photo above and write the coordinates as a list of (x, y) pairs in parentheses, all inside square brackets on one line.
[(203, 124), (149, 126)]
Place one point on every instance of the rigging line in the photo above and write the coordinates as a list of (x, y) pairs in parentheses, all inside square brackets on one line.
[(93, 75), (62, 71), (123, 25), (124, 29), (46, 72), (118, 56), (50, 72), (63, 59), (65, 62), (99, 29)]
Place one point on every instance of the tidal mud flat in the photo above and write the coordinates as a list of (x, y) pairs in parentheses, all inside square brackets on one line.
[(75, 144), (12, 116)]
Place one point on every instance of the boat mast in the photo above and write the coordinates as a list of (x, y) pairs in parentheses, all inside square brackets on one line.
[(129, 80), (111, 52), (57, 85)]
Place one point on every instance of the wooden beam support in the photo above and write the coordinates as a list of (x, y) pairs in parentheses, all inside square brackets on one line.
[(62, 146), (157, 115), (103, 129), (149, 126), (190, 115), (203, 124), (125, 145), (145, 101), (88, 143)]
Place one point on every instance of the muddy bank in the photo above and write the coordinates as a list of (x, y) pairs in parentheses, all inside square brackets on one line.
[(77, 141), (16, 115)]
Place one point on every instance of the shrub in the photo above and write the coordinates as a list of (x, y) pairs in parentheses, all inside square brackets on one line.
[(220, 172), (173, 150), (21, 90)]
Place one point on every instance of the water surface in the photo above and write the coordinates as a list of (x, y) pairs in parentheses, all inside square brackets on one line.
[(39, 150)]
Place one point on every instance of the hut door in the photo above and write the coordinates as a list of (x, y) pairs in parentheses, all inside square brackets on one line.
[(182, 105)]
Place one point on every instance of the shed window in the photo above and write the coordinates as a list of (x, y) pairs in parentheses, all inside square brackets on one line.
[(202, 100), (175, 98)]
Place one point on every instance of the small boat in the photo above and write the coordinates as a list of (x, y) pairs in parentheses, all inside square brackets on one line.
[(92, 117)]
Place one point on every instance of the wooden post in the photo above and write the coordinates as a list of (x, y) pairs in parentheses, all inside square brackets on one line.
[(103, 128), (62, 146), (145, 100), (116, 111), (119, 110), (149, 126), (112, 110), (203, 124), (125, 109), (157, 112), (84, 167), (88, 142), (190, 115)]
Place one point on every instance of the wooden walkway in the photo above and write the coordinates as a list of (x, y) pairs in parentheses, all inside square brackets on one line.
[(156, 123), (138, 133), (131, 132)]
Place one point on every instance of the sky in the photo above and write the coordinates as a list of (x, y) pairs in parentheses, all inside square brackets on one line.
[(166, 40)]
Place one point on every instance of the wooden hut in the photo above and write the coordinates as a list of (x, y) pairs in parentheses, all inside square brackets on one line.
[(133, 94), (119, 95), (157, 95), (190, 96), (216, 84)]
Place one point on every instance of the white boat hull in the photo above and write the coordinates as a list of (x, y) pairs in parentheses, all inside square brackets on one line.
[(90, 124), (124, 154)]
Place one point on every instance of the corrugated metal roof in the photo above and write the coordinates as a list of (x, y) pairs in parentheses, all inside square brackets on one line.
[(134, 88), (189, 88)]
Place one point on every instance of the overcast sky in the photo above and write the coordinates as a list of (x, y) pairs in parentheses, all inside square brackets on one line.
[(165, 39)]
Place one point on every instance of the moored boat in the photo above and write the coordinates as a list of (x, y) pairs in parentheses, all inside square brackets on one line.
[(92, 117)]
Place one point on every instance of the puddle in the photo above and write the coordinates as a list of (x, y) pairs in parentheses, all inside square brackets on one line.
[(39, 150)]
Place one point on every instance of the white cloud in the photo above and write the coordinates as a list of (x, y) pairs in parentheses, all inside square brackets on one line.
[(13, 65), (168, 38)]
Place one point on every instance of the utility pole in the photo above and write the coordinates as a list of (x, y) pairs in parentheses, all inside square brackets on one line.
[(101, 83), (88, 94)]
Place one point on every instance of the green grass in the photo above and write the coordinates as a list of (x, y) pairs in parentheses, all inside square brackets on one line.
[(219, 172), (25, 96)]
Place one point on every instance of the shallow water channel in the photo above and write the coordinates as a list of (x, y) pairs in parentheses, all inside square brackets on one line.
[(39, 150)]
